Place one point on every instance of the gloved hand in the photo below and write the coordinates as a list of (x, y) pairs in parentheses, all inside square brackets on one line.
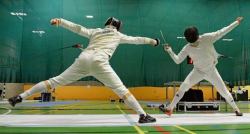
[(55, 21), (167, 47), (157, 42), (239, 19)]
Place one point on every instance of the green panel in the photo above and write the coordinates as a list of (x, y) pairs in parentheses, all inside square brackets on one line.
[(31, 57), (41, 54), (10, 41)]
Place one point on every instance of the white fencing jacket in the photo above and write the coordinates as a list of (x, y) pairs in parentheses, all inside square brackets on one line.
[(106, 39), (204, 54)]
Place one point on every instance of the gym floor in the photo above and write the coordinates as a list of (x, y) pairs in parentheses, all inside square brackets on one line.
[(115, 117)]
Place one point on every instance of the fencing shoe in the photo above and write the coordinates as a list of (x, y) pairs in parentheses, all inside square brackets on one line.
[(165, 110), (14, 100), (238, 113), (146, 119)]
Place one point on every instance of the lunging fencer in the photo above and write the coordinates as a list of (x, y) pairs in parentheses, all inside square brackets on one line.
[(201, 50), (94, 61)]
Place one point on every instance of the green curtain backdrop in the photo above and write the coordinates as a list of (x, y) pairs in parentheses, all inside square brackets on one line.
[(28, 56)]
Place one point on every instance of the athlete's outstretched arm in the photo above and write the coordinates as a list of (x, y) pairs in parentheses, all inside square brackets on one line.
[(214, 36), (76, 28), (177, 58), (138, 40)]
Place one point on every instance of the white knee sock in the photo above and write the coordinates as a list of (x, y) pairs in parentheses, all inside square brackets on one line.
[(231, 102), (39, 87), (229, 98), (183, 88), (133, 103), (176, 99)]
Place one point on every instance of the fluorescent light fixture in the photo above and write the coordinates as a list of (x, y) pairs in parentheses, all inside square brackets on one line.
[(38, 32), (18, 14), (12, 13), (89, 16), (180, 37), (227, 39)]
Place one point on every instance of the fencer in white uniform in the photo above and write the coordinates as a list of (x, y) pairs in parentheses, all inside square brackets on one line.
[(202, 52), (94, 61)]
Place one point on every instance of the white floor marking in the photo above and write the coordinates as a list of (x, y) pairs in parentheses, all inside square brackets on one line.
[(9, 110), (87, 120)]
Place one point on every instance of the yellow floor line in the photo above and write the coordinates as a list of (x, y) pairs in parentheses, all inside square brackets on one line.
[(137, 128), (120, 109), (184, 129)]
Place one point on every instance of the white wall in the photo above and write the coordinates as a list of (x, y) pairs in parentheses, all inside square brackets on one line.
[(12, 89)]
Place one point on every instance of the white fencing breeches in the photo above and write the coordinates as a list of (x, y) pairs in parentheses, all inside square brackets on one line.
[(91, 63)]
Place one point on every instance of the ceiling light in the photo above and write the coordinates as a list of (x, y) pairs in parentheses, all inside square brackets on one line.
[(227, 39), (12, 13), (180, 37), (89, 16), (18, 13)]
